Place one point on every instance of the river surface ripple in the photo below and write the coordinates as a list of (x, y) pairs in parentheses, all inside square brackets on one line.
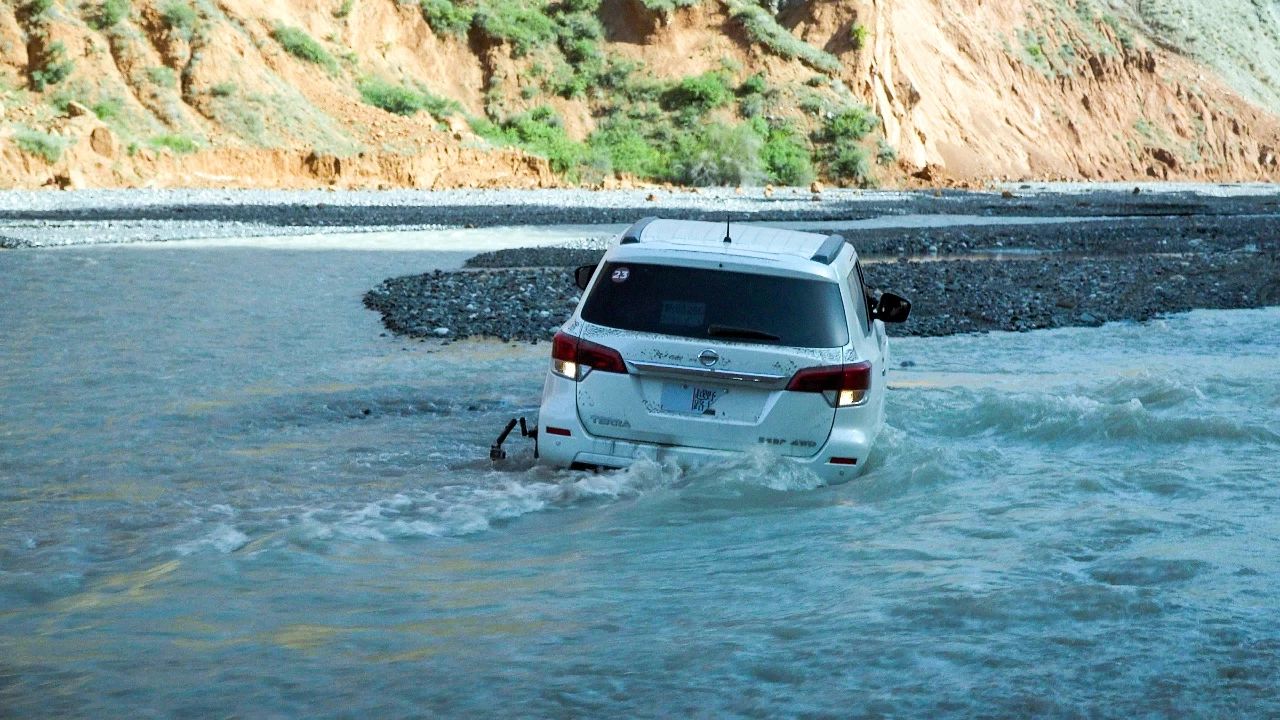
[(223, 493)]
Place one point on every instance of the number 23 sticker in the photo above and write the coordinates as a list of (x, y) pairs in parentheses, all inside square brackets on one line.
[(620, 275)]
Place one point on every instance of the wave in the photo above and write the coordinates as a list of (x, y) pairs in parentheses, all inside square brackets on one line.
[(1075, 418)]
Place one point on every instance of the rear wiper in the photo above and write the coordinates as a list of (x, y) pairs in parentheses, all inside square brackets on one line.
[(737, 332)]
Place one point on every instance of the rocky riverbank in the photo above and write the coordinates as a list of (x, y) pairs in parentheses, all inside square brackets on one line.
[(960, 279)]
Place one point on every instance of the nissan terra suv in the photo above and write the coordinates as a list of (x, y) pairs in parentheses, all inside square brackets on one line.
[(695, 341)]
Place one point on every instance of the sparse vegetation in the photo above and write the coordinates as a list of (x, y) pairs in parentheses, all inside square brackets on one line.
[(42, 145), (718, 154), (54, 67), (162, 76), (668, 6), (35, 8), (447, 17), (845, 157), (885, 154), (523, 24), (108, 109), (223, 89), (299, 44), (541, 131), (344, 10), (108, 14), (180, 17), (402, 100), (179, 144), (763, 27)]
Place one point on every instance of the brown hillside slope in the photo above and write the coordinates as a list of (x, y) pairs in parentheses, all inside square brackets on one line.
[(966, 91)]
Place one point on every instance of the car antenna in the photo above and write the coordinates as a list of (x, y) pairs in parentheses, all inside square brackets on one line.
[(727, 219)]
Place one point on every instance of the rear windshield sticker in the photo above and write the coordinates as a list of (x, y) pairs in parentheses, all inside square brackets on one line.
[(620, 275)]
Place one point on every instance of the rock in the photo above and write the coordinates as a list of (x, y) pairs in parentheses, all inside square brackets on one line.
[(1137, 191), (925, 173), (815, 187), (1165, 158), (653, 197), (768, 191), (103, 142), (1007, 195), (67, 180), (76, 110), (442, 332)]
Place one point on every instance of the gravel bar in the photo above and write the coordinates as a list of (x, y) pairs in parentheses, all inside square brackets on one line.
[(960, 279)]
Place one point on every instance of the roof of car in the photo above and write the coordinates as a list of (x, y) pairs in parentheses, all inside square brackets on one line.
[(750, 238)]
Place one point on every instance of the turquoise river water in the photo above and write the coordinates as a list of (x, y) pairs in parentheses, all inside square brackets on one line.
[(223, 493)]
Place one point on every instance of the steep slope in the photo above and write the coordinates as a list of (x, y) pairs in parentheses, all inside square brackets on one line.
[(435, 93)]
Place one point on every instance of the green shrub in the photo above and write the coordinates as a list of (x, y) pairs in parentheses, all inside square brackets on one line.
[(885, 154), (628, 150), (179, 17), (299, 44), (668, 6), (754, 85), (852, 124), (402, 100), (223, 89), (786, 157), (763, 28), (718, 154), (108, 109), (850, 162), (180, 144), (541, 131), (344, 9), (858, 36), (699, 93), (36, 8), (447, 18), (845, 158), (525, 25), (162, 76), (109, 14), (54, 67), (41, 145)]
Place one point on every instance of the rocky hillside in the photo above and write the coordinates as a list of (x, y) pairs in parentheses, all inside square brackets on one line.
[(440, 93)]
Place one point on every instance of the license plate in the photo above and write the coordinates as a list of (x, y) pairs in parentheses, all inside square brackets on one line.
[(689, 399)]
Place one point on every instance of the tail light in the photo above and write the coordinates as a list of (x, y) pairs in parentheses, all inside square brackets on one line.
[(572, 357), (841, 385)]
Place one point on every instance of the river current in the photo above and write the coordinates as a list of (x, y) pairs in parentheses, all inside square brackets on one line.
[(224, 492)]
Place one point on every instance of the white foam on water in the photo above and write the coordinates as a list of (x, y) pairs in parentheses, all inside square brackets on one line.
[(223, 538)]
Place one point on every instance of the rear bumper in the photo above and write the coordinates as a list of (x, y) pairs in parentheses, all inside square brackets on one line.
[(559, 413)]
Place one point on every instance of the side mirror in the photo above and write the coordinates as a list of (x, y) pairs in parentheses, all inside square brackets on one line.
[(891, 308), (582, 276)]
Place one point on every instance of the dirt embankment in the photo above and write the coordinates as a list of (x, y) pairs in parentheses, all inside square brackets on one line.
[(165, 93)]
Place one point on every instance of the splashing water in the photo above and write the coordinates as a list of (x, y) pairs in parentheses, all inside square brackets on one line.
[(222, 493)]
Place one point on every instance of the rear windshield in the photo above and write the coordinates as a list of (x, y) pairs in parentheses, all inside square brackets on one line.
[(718, 304)]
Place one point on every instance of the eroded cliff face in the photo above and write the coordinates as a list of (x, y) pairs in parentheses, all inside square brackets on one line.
[(974, 90), (966, 91)]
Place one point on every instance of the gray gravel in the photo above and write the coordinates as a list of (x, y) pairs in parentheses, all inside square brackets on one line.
[(30, 219)]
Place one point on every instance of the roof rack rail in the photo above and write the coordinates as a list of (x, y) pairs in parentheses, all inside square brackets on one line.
[(830, 250), (633, 233)]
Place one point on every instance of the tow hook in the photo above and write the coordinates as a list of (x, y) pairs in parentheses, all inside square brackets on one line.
[(496, 452)]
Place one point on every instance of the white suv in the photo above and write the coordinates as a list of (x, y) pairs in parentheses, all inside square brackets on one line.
[(694, 341)]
